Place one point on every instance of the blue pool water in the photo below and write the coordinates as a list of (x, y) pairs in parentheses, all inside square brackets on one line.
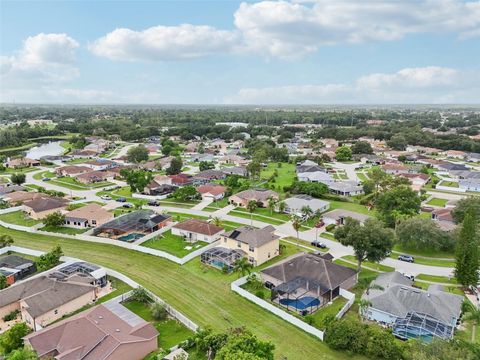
[(302, 303), (131, 237)]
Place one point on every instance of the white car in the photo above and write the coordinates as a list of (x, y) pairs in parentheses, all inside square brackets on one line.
[(105, 197)]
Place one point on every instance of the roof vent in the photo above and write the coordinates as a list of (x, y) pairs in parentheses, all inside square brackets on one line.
[(117, 330), (100, 316)]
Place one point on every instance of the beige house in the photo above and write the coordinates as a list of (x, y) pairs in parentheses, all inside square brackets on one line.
[(100, 333), (39, 208), (22, 163), (43, 300), (90, 215), (193, 230), (259, 245), (261, 196), (19, 197)]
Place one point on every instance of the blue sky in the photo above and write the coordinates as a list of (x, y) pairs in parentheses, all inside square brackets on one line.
[(229, 52)]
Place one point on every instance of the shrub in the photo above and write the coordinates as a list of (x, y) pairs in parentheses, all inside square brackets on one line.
[(11, 315), (260, 294), (140, 295), (309, 319), (158, 311), (347, 334), (382, 345), (330, 227)]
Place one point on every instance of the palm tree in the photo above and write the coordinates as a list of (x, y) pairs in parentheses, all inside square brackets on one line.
[(251, 207), (296, 224), (5, 240), (217, 221), (281, 248), (242, 266), (363, 306), (281, 206), (471, 313), (272, 202), (306, 211)]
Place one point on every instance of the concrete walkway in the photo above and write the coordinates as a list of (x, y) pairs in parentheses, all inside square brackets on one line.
[(203, 204)]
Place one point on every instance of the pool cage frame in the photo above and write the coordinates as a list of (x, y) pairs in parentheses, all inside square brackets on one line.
[(300, 287), (224, 255), (423, 325)]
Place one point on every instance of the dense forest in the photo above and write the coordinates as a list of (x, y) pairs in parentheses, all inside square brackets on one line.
[(401, 126)]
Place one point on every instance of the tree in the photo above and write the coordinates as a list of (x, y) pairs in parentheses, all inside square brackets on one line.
[(186, 193), (309, 188), (175, 166), (343, 153), (206, 165), (55, 219), (136, 179), (17, 178), (137, 154), (50, 259), (371, 242), (251, 207), (22, 354), (470, 204), (466, 254), (158, 311), (362, 147), (5, 240), (241, 344), (347, 334), (398, 201), (382, 345), (296, 224), (13, 338), (242, 266), (422, 234), (254, 169), (306, 211), (217, 221), (439, 349), (397, 142), (282, 206), (272, 203), (471, 313)]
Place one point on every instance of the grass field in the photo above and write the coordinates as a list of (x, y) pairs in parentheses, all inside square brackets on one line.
[(430, 261), (18, 218), (438, 279), (351, 206), (201, 293), (449, 184), (63, 230), (429, 253), (286, 174), (173, 244), (73, 184), (375, 266), (437, 202)]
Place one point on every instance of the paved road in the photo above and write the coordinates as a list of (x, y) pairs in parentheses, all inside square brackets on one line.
[(286, 229), (349, 169)]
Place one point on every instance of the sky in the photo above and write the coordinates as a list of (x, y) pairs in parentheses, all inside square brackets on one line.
[(232, 52)]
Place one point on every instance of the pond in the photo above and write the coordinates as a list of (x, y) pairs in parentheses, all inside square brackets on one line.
[(49, 149)]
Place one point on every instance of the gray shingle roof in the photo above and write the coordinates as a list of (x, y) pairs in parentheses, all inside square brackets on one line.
[(253, 237)]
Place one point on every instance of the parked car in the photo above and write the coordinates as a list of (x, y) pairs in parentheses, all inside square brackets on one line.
[(127, 206), (318, 244), (106, 197), (45, 179), (407, 258), (409, 276), (153, 203), (121, 199)]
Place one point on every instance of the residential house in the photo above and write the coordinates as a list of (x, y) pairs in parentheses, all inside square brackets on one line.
[(152, 165), (308, 166), (261, 196), (316, 176), (233, 160), (202, 157), (165, 162), (181, 179), (9, 188), (43, 300), (395, 169), (259, 245), (159, 187), (294, 205), (206, 176), (177, 354), (87, 216), (472, 184), (39, 208), (455, 154), (417, 180), (307, 277), (472, 157), (338, 216), (345, 188), (103, 332), (213, 191), (447, 167), (235, 170), (193, 230), (444, 218), (100, 164), (72, 170), (19, 197), (16, 268), (21, 163), (412, 312), (95, 176)]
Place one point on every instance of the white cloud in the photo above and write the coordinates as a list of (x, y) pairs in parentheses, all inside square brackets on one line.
[(292, 29), (429, 84), (164, 43)]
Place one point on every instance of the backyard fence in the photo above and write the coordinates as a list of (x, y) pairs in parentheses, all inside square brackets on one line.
[(236, 287), (351, 299)]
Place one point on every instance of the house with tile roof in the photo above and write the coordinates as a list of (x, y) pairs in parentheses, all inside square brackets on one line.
[(193, 230)]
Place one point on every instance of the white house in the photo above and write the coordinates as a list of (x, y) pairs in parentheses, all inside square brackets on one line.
[(294, 205), (193, 230)]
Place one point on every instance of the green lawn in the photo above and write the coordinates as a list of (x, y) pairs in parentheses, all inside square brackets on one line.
[(246, 215), (201, 293), (327, 311), (437, 202), (72, 183), (430, 261), (42, 174), (173, 244), (375, 266), (350, 206), (214, 206), (286, 174), (123, 192), (19, 218), (63, 230), (449, 184), (429, 253), (362, 176), (434, 278), (171, 332)]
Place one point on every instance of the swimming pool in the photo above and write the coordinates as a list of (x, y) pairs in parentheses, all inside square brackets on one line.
[(131, 237), (302, 303)]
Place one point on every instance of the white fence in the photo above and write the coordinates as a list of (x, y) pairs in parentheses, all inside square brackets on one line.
[(351, 299), (67, 260), (448, 188), (10, 209), (235, 286)]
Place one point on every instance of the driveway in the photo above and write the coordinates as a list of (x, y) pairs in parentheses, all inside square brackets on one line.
[(203, 204), (349, 169)]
